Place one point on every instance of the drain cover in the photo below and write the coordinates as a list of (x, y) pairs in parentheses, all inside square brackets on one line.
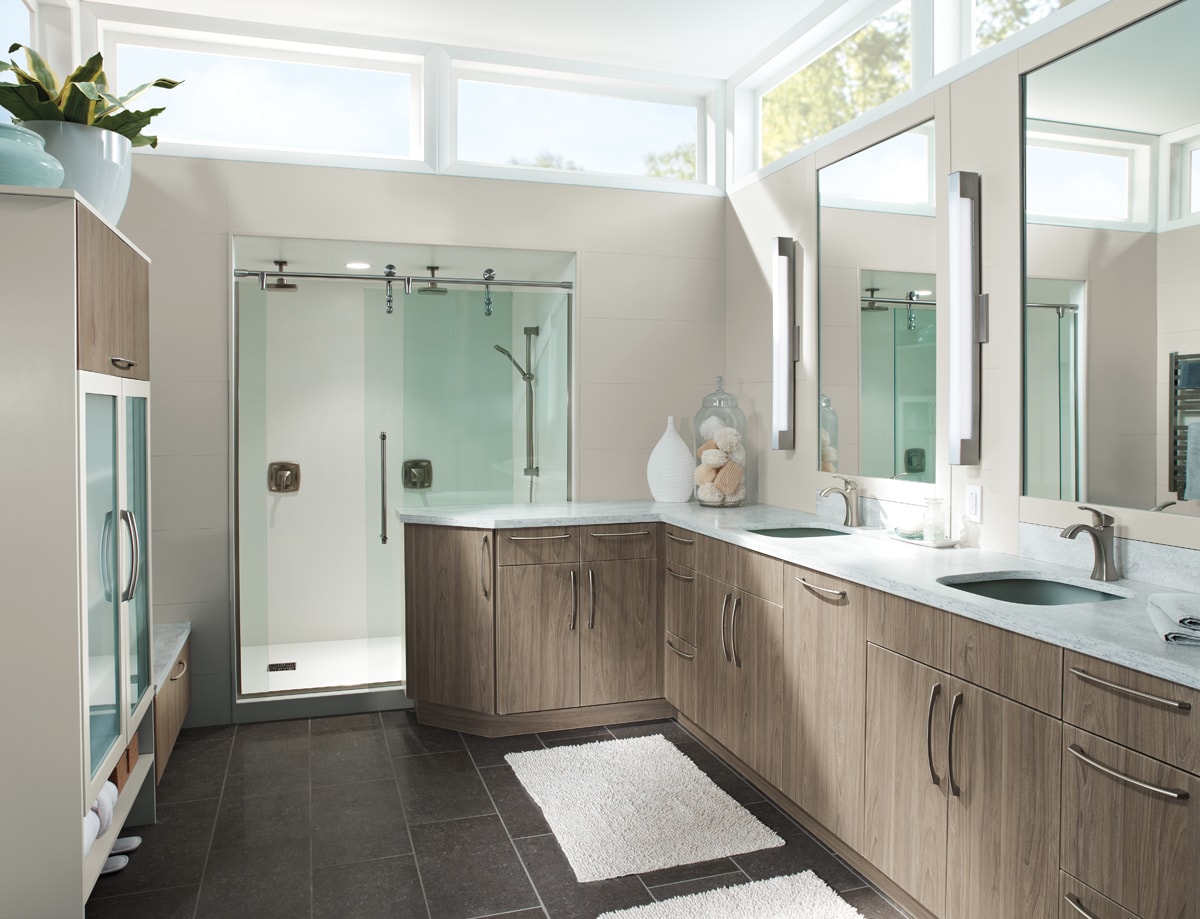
[(275, 668)]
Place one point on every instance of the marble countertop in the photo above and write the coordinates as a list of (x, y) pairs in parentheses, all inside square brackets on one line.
[(169, 638), (1115, 630)]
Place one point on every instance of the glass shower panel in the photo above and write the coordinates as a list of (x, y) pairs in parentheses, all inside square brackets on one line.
[(1051, 403), (137, 500), (103, 593)]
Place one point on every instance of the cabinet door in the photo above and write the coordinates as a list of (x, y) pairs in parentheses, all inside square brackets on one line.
[(679, 601), (756, 684), (714, 673), (448, 600), (904, 792), (619, 650), (679, 675), (135, 516), (113, 306), (1002, 836), (825, 678), (538, 619)]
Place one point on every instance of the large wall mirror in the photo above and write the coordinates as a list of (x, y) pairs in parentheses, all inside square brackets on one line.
[(878, 303), (1112, 232)]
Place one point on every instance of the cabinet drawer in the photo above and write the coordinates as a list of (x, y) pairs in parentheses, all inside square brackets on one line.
[(760, 575), (679, 601), (537, 546), (679, 546), (1078, 901), (679, 669), (1128, 829), (170, 708), (909, 628), (716, 559), (1154, 716), (619, 540), (1023, 669)]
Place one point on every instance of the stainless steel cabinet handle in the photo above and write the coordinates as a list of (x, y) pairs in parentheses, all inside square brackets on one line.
[(724, 610), (591, 599), (683, 654), (1073, 902), (933, 694), (383, 487), (485, 566), (106, 572), (608, 535), (182, 671), (574, 602), (681, 577), (135, 551), (1174, 794), (737, 602), (955, 705), (534, 538), (828, 591), (686, 542), (1137, 694), (122, 363)]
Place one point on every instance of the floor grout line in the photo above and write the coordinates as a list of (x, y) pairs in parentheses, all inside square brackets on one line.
[(407, 826), (216, 817)]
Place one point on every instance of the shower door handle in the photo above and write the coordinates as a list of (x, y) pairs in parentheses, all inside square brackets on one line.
[(383, 487)]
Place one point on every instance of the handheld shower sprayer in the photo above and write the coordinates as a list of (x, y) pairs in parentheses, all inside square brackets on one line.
[(527, 377)]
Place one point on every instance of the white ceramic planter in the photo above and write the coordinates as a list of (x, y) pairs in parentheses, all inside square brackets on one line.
[(97, 163)]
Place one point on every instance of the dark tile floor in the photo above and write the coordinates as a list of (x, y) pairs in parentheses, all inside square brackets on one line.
[(368, 816)]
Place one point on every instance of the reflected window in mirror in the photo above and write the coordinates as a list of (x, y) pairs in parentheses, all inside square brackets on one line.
[(1111, 227), (878, 310)]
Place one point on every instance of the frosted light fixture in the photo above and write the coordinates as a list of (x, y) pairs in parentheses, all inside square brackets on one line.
[(967, 308), (785, 343), (357, 266)]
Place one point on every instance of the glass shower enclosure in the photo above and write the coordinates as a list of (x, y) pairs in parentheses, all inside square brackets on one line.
[(344, 413)]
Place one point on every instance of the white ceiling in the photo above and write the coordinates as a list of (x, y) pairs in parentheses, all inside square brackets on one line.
[(704, 38)]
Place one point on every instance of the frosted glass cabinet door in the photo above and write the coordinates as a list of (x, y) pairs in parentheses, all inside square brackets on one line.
[(136, 517), (103, 627)]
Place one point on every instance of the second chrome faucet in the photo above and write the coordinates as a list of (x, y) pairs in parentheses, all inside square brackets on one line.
[(1101, 531), (849, 491)]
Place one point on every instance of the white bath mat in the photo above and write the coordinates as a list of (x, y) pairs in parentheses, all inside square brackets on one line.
[(626, 806), (796, 896)]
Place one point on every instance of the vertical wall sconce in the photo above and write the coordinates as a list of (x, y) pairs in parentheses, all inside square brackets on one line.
[(785, 344), (968, 313)]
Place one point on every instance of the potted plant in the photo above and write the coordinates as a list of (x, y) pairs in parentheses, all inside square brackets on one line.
[(87, 128)]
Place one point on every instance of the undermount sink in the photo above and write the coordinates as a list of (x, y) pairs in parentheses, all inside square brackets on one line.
[(1028, 589), (799, 532)]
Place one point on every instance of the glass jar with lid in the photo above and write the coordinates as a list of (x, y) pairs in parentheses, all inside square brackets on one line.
[(720, 434)]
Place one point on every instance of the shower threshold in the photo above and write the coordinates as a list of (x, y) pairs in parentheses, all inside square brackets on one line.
[(320, 665)]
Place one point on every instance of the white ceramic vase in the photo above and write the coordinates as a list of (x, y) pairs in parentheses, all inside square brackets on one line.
[(97, 163), (670, 469)]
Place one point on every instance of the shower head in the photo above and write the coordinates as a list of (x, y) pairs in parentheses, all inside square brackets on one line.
[(521, 370), (280, 283), (432, 286)]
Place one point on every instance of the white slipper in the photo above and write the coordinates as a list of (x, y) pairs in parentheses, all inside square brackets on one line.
[(114, 864), (126, 844)]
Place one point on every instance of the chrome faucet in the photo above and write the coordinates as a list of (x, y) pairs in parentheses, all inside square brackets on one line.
[(849, 491), (1101, 531)]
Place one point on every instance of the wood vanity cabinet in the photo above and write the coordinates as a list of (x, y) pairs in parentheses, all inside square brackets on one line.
[(824, 633), (171, 705), (577, 631), (679, 588), (962, 787), (113, 301)]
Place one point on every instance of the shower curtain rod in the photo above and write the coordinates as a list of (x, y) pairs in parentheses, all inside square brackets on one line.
[(406, 280)]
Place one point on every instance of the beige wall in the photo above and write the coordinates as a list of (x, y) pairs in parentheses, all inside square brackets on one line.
[(650, 313)]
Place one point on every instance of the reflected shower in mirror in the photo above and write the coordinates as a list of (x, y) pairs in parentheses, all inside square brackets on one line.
[(878, 301), (1112, 222)]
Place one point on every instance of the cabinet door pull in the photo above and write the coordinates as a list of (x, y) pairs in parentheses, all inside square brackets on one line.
[(683, 654), (182, 671), (828, 591), (724, 611), (737, 602), (122, 363), (484, 567), (534, 538), (955, 705), (591, 599), (686, 542), (1073, 902), (1174, 794), (681, 577), (933, 694), (106, 569), (608, 535), (134, 554), (1137, 694), (574, 602)]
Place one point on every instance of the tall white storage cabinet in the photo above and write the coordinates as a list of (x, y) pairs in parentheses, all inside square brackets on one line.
[(75, 680)]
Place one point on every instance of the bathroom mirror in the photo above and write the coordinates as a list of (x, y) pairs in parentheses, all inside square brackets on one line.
[(1112, 225), (878, 301)]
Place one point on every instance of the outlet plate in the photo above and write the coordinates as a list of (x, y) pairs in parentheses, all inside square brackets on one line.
[(974, 504)]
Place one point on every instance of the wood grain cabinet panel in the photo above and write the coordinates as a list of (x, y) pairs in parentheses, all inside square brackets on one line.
[(538, 618), (1019, 668), (537, 546), (679, 675), (619, 540), (449, 619), (113, 301), (1075, 896), (679, 546), (679, 601), (619, 650), (171, 704), (1126, 833), (825, 678), (909, 628)]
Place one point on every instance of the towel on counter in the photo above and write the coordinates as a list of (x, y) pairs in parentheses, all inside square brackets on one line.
[(1170, 629), (1191, 487), (1183, 609), (104, 805), (91, 829)]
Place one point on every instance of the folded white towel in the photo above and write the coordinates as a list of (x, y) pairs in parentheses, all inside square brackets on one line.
[(1181, 608), (104, 806), (1191, 488), (91, 829), (1170, 630)]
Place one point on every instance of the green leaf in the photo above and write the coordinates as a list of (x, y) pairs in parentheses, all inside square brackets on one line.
[(42, 74), (25, 103), (129, 124), (88, 71), (145, 140), (79, 106)]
